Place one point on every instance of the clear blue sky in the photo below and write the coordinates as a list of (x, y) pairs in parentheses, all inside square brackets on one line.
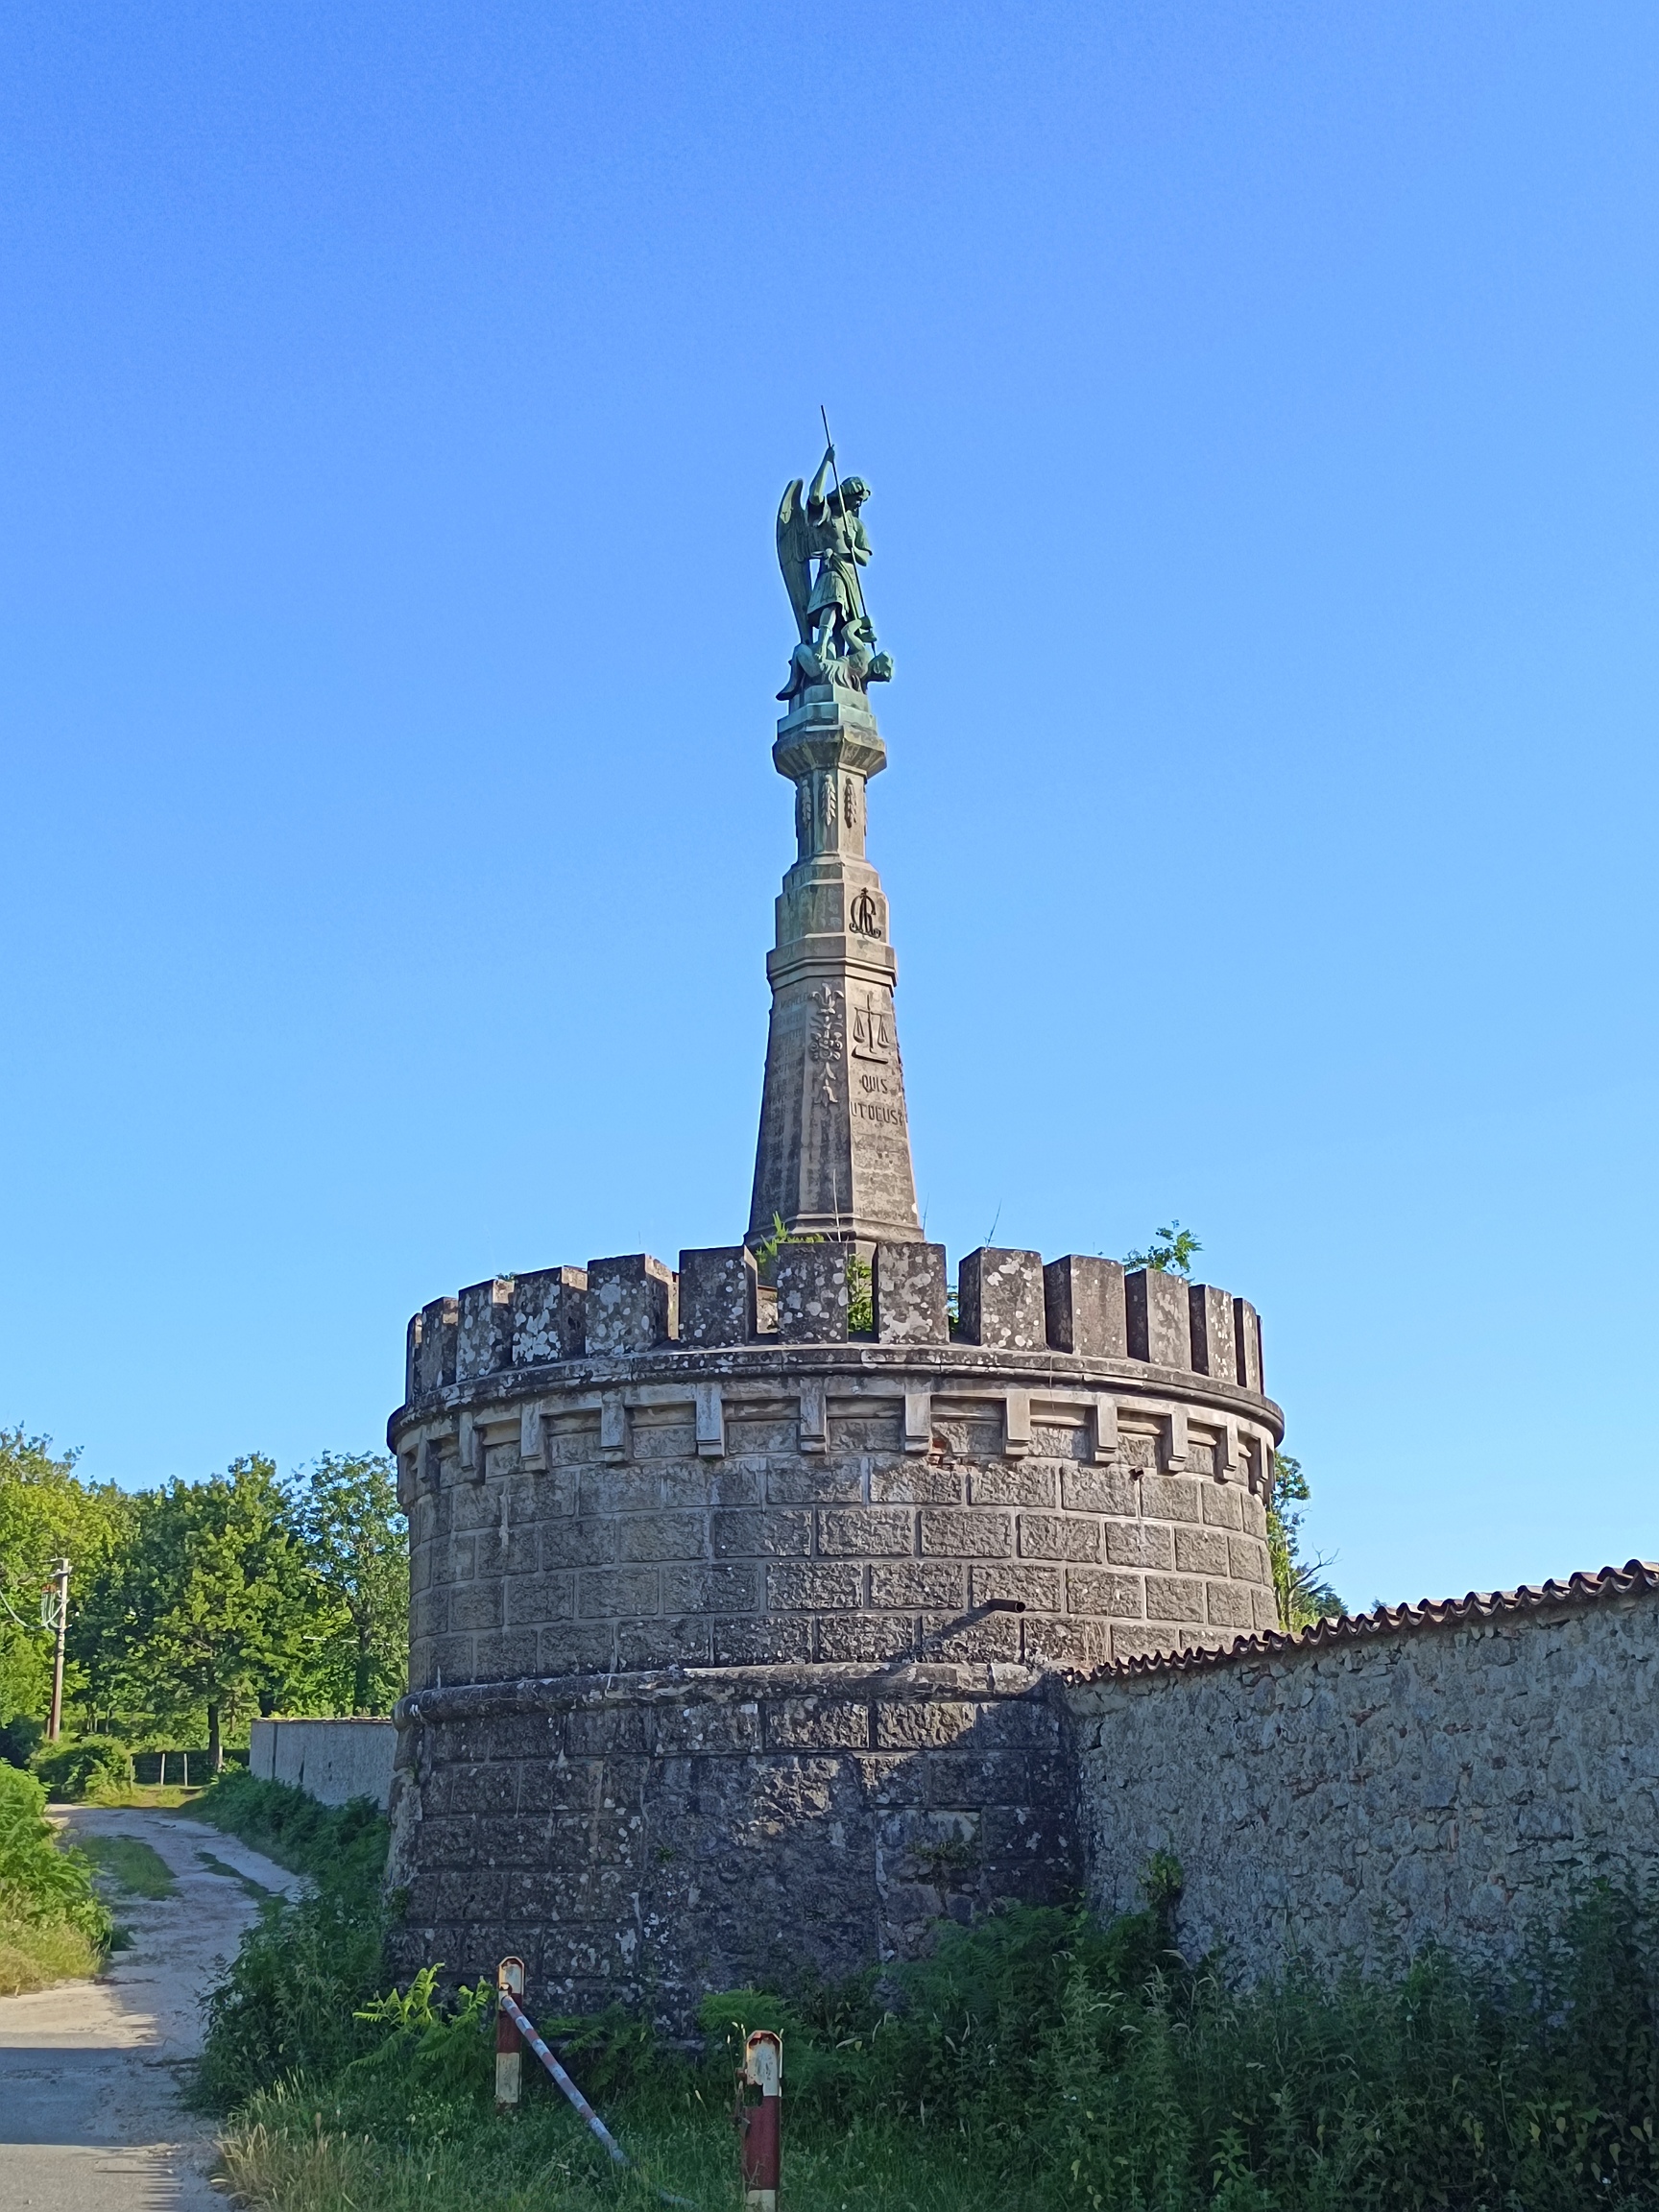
[(1260, 405)]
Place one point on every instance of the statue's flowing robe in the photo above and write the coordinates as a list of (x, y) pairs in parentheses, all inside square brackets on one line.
[(838, 584)]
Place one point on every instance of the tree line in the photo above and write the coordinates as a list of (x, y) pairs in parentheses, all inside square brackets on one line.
[(195, 1606)]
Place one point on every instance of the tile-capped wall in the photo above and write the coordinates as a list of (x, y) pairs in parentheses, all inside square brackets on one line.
[(1442, 1778)]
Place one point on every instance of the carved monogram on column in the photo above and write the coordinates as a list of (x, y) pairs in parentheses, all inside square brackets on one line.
[(872, 1030), (829, 1039), (864, 920)]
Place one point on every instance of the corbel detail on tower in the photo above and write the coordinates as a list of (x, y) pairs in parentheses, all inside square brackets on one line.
[(1175, 1454), (711, 1422), (918, 1421), (814, 1420), (1107, 1447), (1016, 1424), (532, 1437)]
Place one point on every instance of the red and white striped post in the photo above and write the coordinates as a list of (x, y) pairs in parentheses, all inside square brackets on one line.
[(761, 2119), (508, 2042)]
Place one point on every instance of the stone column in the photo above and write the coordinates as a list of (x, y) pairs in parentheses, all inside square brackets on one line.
[(833, 1157)]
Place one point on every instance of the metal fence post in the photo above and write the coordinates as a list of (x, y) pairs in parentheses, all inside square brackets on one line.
[(508, 2043), (761, 2119)]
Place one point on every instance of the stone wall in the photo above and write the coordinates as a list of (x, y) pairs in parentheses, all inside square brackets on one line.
[(654, 1838), (1435, 1772), (333, 1761)]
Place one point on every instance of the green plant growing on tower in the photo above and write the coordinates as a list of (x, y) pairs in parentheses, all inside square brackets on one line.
[(1171, 1252), (860, 1297)]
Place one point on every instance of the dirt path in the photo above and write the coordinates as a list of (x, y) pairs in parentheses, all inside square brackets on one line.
[(89, 2114)]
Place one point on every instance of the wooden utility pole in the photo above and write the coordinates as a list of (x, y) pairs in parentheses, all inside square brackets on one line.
[(58, 1602)]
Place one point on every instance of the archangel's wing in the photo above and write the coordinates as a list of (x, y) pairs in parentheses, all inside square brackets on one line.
[(794, 549)]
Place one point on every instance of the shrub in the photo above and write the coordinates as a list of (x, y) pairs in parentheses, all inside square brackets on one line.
[(343, 1846), (52, 1924), (38, 1881), (290, 2003), (97, 1770), (19, 1737)]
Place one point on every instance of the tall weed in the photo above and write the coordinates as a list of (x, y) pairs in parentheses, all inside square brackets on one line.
[(291, 2001), (39, 1882)]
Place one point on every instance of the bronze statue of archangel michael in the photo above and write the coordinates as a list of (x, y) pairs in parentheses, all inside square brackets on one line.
[(825, 526)]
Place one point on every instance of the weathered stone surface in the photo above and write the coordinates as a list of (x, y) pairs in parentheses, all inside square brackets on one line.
[(1443, 1781), (909, 1294), (853, 1505), (1160, 1327), (1214, 1342), (999, 1300), (1247, 1342), (717, 1288), (812, 1293), (829, 1822), (549, 1316), (630, 1304), (483, 1332), (435, 1361), (833, 1156), (1083, 1304)]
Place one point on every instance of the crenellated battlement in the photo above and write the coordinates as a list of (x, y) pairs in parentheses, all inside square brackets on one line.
[(1008, 1300)]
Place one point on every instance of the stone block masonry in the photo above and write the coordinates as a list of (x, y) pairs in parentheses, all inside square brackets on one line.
[(1426, 1773), (648, 1840), (680, 1511)]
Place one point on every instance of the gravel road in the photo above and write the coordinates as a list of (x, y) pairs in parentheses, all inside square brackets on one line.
[(90, 2072)]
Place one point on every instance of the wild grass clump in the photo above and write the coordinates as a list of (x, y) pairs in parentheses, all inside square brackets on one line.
[(53, 1926), (288, 2006), (341, 1845), (131, 1865)]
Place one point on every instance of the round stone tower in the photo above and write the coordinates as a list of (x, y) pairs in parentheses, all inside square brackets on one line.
[(735, 1599)]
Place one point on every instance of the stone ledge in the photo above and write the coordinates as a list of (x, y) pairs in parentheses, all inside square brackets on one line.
[(841, 1681)]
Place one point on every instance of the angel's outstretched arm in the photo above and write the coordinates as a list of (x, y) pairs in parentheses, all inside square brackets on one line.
[(815, 497)]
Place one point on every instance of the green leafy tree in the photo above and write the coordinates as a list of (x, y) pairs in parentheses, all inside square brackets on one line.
[(1170, 1252), (46, 1513), (1298, 1583), (356, 1541), (211, 1604)]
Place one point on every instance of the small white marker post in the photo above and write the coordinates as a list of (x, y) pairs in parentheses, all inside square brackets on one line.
[(508, 2043)]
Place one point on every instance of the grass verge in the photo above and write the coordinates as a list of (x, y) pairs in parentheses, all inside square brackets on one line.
[(258, 1890), (131, 1865), (343, 1846), (288, 2005), (53, 1928), (34, 1955), (1038, 2062)]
